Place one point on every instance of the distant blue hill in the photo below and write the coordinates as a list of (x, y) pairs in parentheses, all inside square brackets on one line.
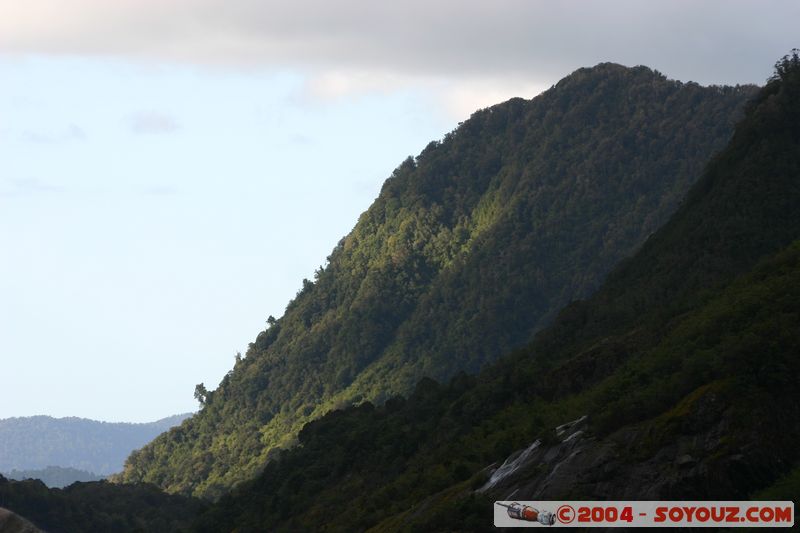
[(54, 476), (39, 442)]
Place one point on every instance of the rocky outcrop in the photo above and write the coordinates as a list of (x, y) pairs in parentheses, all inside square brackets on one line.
[(13, 523), (641, 462)]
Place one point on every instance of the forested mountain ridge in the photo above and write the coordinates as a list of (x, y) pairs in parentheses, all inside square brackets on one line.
[(38, 442), (686, 362), (470, 248)]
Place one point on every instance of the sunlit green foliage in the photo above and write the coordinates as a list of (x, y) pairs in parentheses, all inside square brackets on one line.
[(358, 468), (470, 248), (709, 307)]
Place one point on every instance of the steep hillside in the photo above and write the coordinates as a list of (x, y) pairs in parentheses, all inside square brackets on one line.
[(685, 364), (470, 248), (37, 442)]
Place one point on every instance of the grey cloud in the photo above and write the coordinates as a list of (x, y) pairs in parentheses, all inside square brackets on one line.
[(152, 122), (714, 41), (76, 133), (301, 140), (71, 133), (159, 190), (26, 186), (37, 137)]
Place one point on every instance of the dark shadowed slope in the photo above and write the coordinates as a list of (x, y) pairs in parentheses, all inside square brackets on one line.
[(99, 507), (13, 523)]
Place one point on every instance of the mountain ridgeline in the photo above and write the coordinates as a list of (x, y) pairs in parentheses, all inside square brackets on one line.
[(53, 476), (93, 447), (471, 248), (680, 374)]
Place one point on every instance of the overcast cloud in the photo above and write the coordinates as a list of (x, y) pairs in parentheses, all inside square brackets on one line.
[(373, 45), (152, 122)]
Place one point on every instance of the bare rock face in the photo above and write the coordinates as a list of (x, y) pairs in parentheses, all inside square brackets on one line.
[(634, 463), (13, 523), (549, 469)]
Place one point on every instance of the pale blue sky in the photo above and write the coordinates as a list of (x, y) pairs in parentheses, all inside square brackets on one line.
[(152, 218), (170, 171)]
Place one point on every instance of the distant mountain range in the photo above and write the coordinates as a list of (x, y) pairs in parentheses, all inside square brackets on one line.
[(54, 476), (96, 448)]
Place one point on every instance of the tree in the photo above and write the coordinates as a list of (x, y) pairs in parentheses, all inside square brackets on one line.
[(200, 393), (786, 65)]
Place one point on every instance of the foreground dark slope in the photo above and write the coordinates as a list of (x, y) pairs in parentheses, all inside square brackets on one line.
[(469, 249), (13, 523), (99, 507), (686, 362)]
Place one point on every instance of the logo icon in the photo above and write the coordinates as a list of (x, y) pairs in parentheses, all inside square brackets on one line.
[(527, 513), (565, 514)]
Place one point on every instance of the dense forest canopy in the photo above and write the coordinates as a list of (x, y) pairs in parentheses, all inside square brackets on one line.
[(685, 361), (99, 507), (471, 248)]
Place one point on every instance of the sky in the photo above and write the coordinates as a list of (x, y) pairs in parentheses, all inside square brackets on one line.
[(170, 170)]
